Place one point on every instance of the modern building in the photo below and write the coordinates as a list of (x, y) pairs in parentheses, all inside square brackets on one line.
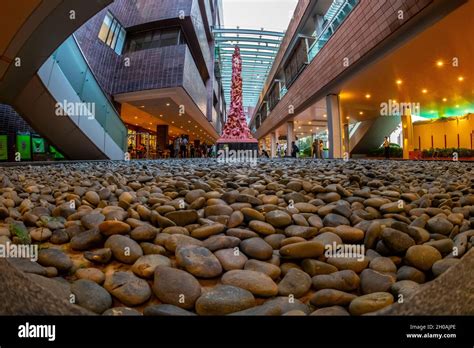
[(350, 72), (126, 74)]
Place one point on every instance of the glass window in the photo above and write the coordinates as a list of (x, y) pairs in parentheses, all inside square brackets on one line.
[(104, 30), (112, 33), (120, 41), (154, 39)]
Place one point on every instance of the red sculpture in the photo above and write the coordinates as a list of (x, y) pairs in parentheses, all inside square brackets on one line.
[(236, 128)]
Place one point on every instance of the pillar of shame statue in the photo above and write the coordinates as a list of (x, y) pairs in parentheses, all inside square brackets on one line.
[(236, 134)]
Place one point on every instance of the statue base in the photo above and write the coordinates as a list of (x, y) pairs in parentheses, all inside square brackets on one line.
[(238, 144)]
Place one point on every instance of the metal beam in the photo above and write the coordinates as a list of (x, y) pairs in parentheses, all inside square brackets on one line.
[(225, 45), (247, 31), (246, 39)]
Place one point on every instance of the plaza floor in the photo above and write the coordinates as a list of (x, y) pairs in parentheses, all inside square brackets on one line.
[(271, 237)]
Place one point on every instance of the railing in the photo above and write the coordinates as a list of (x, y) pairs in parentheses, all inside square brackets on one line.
[(338, 14), (73, 64)]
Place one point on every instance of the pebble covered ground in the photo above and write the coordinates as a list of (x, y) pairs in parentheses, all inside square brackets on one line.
[(187, 237)]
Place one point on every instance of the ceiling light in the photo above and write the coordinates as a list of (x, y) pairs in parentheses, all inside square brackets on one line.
[(399, 82), (439, 63), (172, 121), (309, 122), (135, 117), (167, 104), (161, 115), (361, 112), (461, 78), (142, 106), (424, 91), (189, 121), (325, 115), (368, 96), (445, 100), (457, 106), (347, 118)]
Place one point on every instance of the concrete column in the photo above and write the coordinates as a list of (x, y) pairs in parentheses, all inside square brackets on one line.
[(335, 128), (272, 144), (407, 133), (290, 136), (345, 142)]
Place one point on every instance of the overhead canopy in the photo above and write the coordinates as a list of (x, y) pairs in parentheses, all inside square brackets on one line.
[(258, 49)]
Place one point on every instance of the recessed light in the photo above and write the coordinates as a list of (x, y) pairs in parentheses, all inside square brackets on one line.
[(424, 91), (399, 82), (189, 121), (161, 115), (461, 78), (439, 63), (361, 112), (142, 106), (309, 122), (368, 96), (445, 100), (347, 118), (135, 117), (167, 104), (325, 115), (172, 121)]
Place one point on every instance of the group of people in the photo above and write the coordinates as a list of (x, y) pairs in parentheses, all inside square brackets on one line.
[(181, 147)]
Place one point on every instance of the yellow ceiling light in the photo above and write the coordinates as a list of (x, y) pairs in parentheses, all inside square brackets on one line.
[(445, 99), (399, 82), (325, 115), (439, 63), (167, 104), (368, 96), (361, 112), (461, 78), (424, 91), (309, 122)]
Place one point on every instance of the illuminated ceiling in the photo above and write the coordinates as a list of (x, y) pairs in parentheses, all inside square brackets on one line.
[(434, 69), (258, 49)]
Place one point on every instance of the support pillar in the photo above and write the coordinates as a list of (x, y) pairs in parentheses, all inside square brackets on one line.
[(335, 128), (290, 136), (162, 137), (407, 133), (272, 144)]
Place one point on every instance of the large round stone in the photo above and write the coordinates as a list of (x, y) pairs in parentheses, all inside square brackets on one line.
[(374, 281), (224, 299), (198, 260), (331, 297), (302, 250), (176, 287), (346, 280), (231, 259), (145, 266), (256, 248), (127, 288), (123, 248), (257, 283), (54, 258), (295, 282), (422, 256), (396, 240), (91, 296), (278, 218), (370, 303)]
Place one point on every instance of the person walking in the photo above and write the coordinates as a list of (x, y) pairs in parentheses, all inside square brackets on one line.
[(321, 149), (294, 150), (177, 146), (315, 149), (386, 146), (184, 146)]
